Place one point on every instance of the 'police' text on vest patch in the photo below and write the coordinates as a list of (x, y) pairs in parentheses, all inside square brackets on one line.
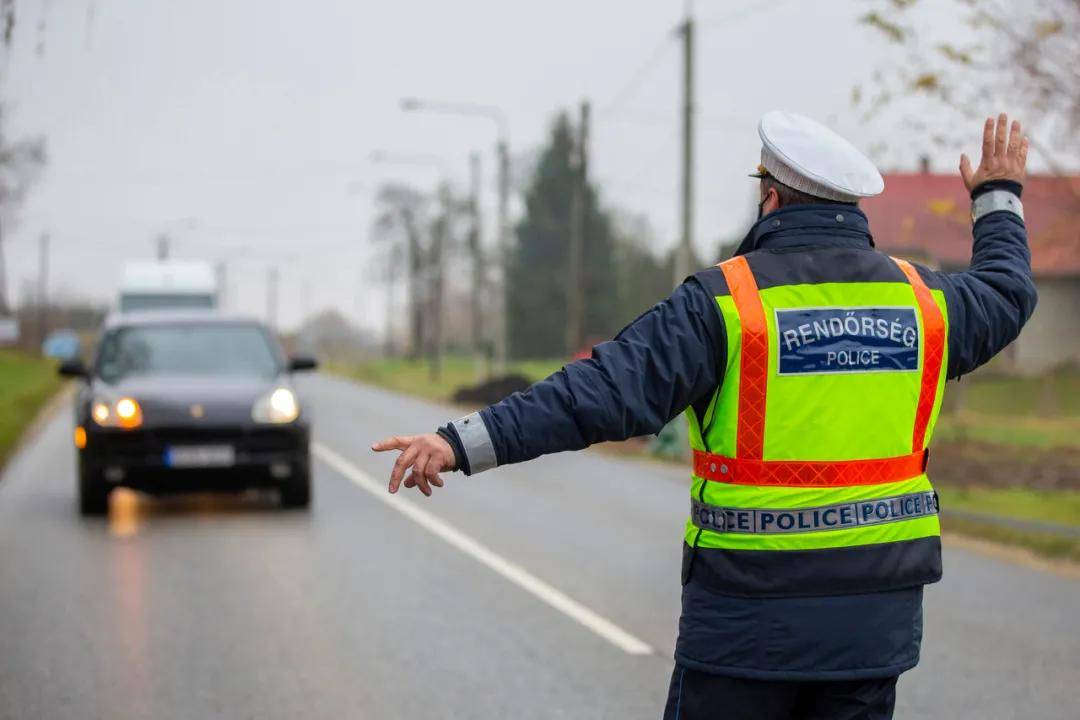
[(827, 340)]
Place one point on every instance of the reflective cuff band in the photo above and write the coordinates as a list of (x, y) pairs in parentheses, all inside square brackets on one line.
[(826, 517), (996, 200), (476, 441)]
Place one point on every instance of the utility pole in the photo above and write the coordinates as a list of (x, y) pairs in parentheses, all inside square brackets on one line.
[(43, 286), (503, 301), (272, 297), (684, 253), (162, 247), (579, 218), (479, 289)]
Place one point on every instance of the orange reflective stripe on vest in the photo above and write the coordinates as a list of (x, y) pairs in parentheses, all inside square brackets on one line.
[(753, 360), (933, 350), (749, 467), (813, 473)]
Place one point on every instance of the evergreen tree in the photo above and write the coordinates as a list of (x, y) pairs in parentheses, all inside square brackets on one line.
[(538, 266)]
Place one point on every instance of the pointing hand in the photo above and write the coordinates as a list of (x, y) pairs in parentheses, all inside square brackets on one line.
[(426, 455), (1001, 159)]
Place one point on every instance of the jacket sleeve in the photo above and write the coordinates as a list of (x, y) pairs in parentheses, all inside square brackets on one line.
[(992, 300), (656, 367)]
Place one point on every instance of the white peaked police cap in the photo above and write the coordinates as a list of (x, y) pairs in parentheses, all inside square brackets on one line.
[(805, 155)]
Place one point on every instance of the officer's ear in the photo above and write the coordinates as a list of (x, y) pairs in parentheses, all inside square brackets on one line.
[(770, 201)]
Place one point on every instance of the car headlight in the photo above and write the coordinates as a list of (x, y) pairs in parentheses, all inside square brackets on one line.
[(123, 413), (277, 406)]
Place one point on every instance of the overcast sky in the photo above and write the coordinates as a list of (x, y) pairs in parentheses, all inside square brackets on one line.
[(238, 126)]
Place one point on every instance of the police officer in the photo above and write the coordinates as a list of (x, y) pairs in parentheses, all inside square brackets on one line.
[(811, 370)]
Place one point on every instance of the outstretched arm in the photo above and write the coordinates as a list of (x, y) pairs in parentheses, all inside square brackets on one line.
[(655, 368), (991, 300)]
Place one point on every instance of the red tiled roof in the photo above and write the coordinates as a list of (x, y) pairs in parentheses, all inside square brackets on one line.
[(927, 217)]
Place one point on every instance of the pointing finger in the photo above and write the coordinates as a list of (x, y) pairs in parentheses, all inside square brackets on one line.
[(394, 443)]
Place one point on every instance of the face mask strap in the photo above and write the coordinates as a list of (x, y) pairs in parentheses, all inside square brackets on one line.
[(761, 206)]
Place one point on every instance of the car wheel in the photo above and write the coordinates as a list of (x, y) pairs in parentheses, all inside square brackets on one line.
[(296, 492), (93, 493)]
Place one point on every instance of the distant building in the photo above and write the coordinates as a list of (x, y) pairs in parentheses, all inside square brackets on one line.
[(926, 217)]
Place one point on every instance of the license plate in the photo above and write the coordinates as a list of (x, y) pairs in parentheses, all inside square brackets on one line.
[(200, 456)]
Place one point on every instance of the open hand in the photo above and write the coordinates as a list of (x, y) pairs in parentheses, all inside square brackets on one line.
[(1002, 159), (426, 455)]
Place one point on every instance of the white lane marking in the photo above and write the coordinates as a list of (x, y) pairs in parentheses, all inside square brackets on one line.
[(493, 561)]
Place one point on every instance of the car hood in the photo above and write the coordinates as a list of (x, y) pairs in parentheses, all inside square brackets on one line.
[(172, 399)]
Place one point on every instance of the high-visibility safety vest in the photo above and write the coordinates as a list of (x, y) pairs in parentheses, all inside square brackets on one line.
[(809, 460)]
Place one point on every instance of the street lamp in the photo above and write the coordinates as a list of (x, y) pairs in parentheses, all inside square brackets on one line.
[(497, 116)]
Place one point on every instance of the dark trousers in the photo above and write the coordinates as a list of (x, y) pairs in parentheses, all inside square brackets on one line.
[(700, 696)]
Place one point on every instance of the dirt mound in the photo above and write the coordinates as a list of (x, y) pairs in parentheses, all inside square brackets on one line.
[(984, 465), (491, 391)]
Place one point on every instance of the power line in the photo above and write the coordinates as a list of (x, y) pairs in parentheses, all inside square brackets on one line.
[(745, 14), (639, 75), (654, 57)]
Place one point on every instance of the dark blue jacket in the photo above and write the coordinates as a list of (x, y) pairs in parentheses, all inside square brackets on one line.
[(671, 358)]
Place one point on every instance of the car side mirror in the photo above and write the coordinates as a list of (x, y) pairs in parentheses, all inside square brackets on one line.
[(73, 367), (302, 362)]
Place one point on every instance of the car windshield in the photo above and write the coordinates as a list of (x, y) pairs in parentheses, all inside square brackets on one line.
[(225, 349)]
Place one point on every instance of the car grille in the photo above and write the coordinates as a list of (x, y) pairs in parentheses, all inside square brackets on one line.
[(152, 442)]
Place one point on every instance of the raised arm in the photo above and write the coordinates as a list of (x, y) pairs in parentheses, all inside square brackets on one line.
[(992, 300), (655, 368)]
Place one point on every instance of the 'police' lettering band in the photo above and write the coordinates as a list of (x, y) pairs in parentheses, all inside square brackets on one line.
[(826, 517)]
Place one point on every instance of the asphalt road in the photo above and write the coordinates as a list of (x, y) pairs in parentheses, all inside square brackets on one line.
[(548, 590)]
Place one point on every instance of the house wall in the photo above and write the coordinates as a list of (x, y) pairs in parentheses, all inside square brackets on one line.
[(1052, 336)]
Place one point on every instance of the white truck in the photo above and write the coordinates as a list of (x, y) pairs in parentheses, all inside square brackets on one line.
[(168, 284)]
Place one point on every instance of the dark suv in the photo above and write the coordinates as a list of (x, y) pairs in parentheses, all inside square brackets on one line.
[(189, 401)]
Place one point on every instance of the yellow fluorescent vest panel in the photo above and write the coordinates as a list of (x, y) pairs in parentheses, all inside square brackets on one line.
[(818, 417)]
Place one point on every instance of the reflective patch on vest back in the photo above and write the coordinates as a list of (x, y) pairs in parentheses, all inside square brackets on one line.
[(811, 519), (847, 340)]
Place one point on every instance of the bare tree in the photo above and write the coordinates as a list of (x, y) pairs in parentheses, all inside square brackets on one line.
[(994, 54), (20, 165), (402, 219), (20, 161), (7, 22)]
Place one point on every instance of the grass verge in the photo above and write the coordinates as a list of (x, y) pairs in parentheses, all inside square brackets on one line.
[(25, 384), (1052, 506), (1009, 431), (1061, 507), (1021, 412)]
